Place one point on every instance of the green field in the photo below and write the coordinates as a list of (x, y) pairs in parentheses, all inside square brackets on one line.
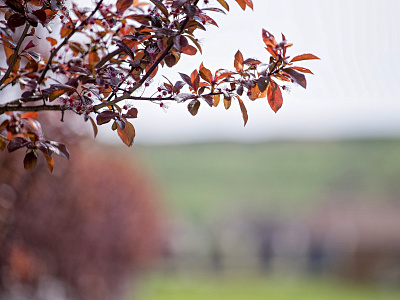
[(258, 288), (205, 182), (201, 181)]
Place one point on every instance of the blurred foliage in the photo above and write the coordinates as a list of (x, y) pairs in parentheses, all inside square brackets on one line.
[(87, 227), (286, 177)]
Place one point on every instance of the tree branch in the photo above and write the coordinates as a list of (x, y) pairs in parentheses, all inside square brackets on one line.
[(15, 55), (148, 73), (74, 30), (44, 107)]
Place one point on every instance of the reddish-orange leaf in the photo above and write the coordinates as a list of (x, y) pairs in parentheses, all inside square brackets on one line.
[(242, 3), (244, 110), (123, 5), (205, 74), (189, 50), (52, 41), (31, 115), (269, 39), (195, 79), (249, 3), (304, 57), (274, 94), (127, 134), (238, 63), (195, 41), (300, 69), (224, 4)]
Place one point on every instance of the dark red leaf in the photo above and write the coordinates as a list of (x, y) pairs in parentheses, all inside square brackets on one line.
[(58, 148), (16, 20), (30, 160), (123, 5), (180, 42), (29, 45), (297, 77), (209, 99), (105, 116), (41, 15), (131, 113), (15, 5), (193, 107), (161, 7), (186, 79), (17, 143)]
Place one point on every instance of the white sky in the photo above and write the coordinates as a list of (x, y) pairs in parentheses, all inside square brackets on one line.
[(354, 91)]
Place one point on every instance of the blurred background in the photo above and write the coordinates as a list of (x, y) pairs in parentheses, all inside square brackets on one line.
[(302, 204)]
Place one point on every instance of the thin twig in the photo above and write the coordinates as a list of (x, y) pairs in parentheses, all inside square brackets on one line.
[(14, 58), (148, 73)]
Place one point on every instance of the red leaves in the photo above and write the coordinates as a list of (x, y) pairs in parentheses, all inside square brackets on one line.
[(243, 110), (297, 77), (274, 95), (270, 42), (161, 7), (238, 63), (30, 160), (193, 106), (123, 5), (206, 74), (16, 20), (106, 116), (193, 81), (127, 133), (56, 90), (244, 3), (125, 130), (189, 50), (304, 57)]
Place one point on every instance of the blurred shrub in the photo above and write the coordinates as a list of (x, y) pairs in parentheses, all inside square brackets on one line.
[(81, 232)]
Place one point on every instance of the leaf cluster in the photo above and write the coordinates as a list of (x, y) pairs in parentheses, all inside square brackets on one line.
[(104, 59)]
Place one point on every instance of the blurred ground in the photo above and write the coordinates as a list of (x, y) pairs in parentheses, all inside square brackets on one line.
[(319, 220)]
